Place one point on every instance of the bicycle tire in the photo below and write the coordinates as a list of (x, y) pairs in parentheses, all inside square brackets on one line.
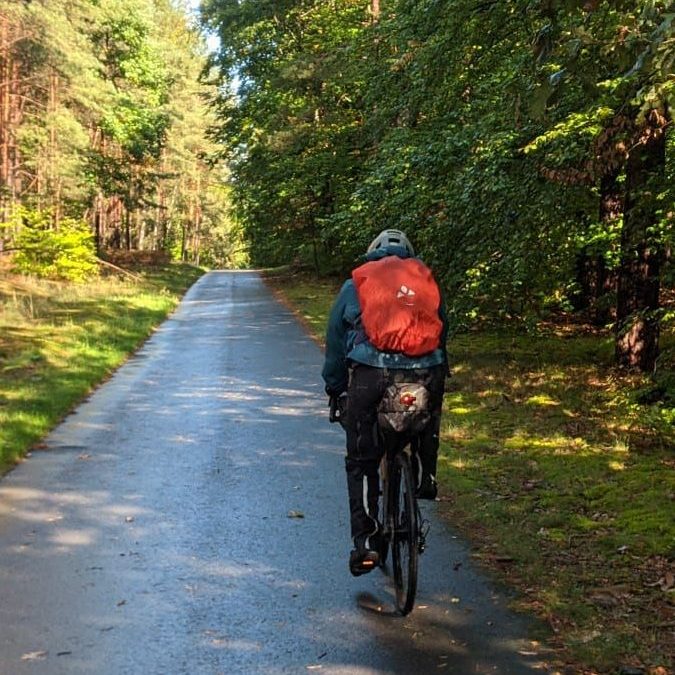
[(384, 551), (405, 534), (385, 505)]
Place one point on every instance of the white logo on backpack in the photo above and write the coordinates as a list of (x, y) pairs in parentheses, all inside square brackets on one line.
[(407, 293)]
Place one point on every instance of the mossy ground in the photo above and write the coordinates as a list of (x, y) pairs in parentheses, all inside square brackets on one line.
[(59, 340), (562, 480)]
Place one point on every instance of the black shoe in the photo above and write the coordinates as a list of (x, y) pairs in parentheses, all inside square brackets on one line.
[(363, 561), (376, 541), (428, 489)]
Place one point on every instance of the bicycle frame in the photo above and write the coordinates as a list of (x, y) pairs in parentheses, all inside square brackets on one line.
[(403, 527)]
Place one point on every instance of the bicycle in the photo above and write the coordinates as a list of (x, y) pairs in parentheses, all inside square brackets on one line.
[(403, 529)]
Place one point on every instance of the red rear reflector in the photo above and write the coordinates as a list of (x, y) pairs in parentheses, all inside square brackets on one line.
[(407, 399)]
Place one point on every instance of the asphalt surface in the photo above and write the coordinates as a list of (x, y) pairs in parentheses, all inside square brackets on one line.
[(160, 530)]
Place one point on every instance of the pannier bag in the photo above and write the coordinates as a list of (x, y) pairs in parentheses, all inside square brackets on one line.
[(399, 301), (404, 408)]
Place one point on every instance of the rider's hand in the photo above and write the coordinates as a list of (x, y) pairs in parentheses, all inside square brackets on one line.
[(338, 406)]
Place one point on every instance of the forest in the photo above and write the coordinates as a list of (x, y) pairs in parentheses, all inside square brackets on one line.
[(526, 148), (103, 135)]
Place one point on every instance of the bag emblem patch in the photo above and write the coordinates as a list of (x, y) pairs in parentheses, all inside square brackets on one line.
[(406, 293)]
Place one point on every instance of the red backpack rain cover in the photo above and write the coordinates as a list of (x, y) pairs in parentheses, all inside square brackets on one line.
[(399, 301)]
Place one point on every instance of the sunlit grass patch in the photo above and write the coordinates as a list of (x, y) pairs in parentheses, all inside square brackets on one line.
[(57, 340), (542, 400), (536, 444)]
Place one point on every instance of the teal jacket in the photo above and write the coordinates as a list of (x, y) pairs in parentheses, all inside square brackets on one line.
[(346, 340)]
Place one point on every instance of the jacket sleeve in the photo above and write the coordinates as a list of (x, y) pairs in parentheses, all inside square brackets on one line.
[(335, 372), (443, 315)]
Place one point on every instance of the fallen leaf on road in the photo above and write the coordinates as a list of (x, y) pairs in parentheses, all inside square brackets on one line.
[(129, 519), (296, 514), (34, 656)]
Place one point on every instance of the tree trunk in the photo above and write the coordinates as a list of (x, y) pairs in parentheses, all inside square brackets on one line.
[(197, 236), (127, 229), (158, 226), (183, 242), (637, 325), (140, 230), (51, 151), (5, 77), (9, 115), (15, 104), (594, 280)]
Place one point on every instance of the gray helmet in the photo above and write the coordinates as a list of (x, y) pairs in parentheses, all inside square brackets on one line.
[(391, 238)]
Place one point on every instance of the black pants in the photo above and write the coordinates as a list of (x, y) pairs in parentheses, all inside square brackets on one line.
[(364, 450)]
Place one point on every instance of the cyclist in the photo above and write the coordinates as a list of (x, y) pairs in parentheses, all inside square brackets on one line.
[(360, 364)]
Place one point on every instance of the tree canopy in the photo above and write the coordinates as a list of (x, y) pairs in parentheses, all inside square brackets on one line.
[(105, 121), (524, 146)]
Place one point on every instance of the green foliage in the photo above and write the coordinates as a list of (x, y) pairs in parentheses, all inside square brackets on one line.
[(291, 128), (65, 253), (108, 120), (488, 131)]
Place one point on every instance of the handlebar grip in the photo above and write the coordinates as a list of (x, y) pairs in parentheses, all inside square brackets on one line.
[(334, 413)]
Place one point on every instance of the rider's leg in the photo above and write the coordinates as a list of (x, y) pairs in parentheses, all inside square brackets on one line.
[(362, 463), (363, 488), (429, 438)]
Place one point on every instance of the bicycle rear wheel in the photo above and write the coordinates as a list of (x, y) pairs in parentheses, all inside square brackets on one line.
[(405, 535)]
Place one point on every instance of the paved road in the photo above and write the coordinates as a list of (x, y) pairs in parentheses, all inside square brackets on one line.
[(154, 535)]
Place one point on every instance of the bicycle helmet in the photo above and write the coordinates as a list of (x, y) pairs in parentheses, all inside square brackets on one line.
[(391, 238)]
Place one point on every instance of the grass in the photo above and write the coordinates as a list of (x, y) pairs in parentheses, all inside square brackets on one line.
[(564, 483), (57, 341)]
